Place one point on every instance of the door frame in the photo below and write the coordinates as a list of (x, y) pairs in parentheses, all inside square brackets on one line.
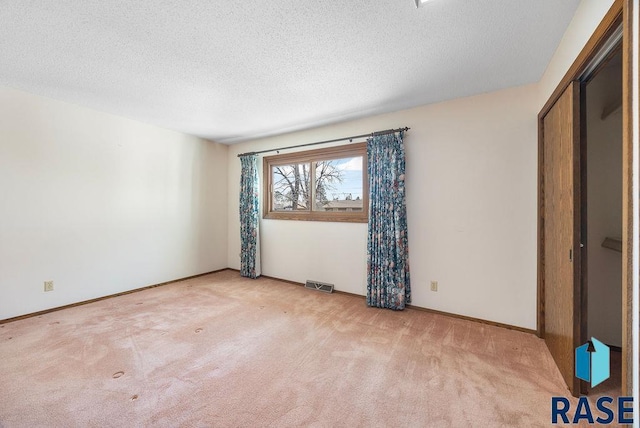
[(622, 13)]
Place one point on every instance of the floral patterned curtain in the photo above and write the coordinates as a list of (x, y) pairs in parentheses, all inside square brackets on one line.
[(249, 215), (388, 284)]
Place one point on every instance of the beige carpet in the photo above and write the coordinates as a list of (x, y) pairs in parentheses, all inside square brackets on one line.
[(223, 351)]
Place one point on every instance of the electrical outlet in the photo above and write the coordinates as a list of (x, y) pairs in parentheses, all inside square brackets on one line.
[(48, 286), (434, 285)]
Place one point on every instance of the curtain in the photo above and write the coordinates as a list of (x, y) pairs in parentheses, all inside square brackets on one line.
[(388, 284), (249, 215)]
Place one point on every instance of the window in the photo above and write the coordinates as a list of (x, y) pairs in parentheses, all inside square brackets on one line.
[(340, 186)]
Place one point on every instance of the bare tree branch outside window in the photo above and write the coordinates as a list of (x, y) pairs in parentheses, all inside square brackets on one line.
[(328, 184), (291, 185)]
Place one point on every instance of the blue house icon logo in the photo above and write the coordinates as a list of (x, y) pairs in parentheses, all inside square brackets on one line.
[(592, 362), (592, 365)]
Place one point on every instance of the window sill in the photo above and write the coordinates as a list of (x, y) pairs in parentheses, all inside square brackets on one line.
[(336, 218)]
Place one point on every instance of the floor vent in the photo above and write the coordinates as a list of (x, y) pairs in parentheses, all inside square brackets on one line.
[(320, 286)]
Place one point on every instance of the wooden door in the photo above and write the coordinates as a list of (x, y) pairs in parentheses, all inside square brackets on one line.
[(561, 236)]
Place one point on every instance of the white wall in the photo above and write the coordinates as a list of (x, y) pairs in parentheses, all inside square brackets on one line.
[(604, 206), (584, 22), (471, 200), (101, 204)]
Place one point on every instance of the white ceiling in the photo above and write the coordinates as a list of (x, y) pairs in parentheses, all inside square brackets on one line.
[(233, 70)]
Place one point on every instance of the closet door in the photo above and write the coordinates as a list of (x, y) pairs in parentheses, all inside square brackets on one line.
[(561, 258)]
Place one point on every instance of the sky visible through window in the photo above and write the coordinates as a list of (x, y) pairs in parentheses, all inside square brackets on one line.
[(351, 169), (320, 185)]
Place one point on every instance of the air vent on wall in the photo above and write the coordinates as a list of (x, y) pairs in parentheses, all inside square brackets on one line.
[(320, 286)]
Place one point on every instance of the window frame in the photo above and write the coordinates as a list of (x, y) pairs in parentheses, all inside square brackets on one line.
[(311, 156)]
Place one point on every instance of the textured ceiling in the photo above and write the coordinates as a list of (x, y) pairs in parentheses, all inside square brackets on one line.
[(232, 70)]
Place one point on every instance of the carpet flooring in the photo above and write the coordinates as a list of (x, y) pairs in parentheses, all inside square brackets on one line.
[(224, 351)]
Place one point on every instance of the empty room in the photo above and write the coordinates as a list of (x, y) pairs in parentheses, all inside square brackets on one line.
[(414, 213)]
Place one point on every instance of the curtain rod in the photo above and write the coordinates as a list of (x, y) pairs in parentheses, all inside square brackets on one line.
[(373, 134)]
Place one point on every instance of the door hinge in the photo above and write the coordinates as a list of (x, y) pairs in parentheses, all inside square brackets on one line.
[(571, 254)]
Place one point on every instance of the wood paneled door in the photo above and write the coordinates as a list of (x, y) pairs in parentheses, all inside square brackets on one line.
[(561, 293), (561, 231)]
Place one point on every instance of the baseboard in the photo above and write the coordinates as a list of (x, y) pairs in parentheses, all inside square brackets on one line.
[(420, 308), (302, 284), (97, 299), (286, 281), (478, 320)]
